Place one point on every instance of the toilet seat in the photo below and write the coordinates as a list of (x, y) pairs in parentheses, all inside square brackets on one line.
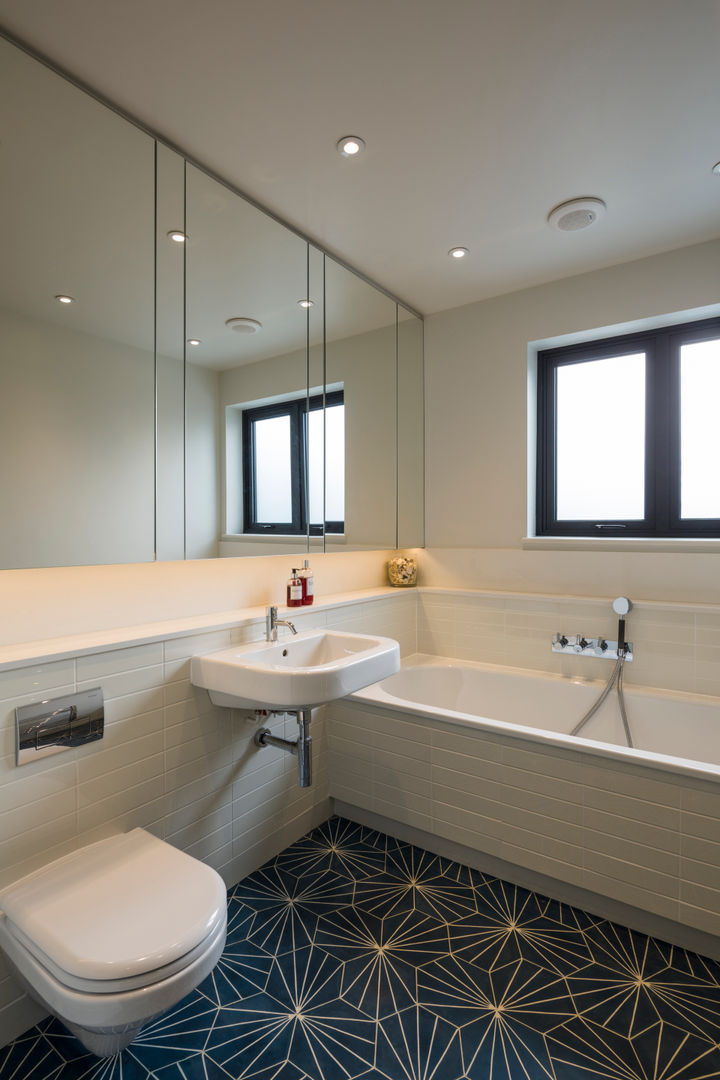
[(114, 986), (119, 914)]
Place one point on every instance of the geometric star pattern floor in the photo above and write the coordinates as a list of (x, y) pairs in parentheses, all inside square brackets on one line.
[(355, 955)]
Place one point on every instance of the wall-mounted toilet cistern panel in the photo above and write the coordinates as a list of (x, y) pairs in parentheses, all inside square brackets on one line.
[(114, 934)]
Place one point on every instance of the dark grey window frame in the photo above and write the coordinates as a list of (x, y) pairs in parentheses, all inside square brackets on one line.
[(662, 435), (297, 410)]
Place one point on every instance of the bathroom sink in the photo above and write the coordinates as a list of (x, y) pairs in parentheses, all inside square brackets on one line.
[(310, 669)]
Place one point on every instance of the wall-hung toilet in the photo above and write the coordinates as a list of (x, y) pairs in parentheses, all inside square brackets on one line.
[(112, 935)]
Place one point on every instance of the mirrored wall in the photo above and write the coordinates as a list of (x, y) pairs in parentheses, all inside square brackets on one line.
[(214, 386)]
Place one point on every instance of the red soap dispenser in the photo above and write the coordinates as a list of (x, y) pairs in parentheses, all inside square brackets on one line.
[(308, 584), (294, 590)]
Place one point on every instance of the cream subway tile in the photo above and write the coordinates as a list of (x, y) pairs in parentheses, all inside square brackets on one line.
[(479, 743), (665, 862), (663, 817), (459, 835), (10, 991), (551, 786), (183, 711), (19, 790), (119, 806), (351, 789), (702, 799), (700, 896), (483, 828), (701, 873), (404, 765), (181, 648), (137, 704), (98, 666), (20, 847), (204, 848), (401, 782), (127, 777), (255, 826), (626, 780), (33, 860), (472, 770), (17, 822), (208, 753), (148, 815), (128, 682), (199, 829), (209, 725), (705, 851), (700, 826), (176, 670), (628, 893), (198, 794), (638, 832), (253, 778), (409, 730), (512, 797), (406, 815), (630, 873), (91, 766), (709, 921), (274, 792), (388, 743), (37, 680), (554, 762), (220, 858), (544, 862), (188, 775), (348, 765)]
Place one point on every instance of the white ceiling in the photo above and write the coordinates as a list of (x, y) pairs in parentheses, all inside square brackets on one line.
[(479, 116)]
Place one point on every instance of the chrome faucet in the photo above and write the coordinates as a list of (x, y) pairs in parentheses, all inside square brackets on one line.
[(272, 622)]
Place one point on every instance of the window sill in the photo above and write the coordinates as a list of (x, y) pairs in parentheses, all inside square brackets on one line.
[(631, 543)]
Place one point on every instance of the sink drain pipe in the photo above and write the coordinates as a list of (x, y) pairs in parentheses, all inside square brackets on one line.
[(301, 747)]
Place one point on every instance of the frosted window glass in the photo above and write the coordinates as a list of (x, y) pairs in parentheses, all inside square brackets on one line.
[(315, 432), (273, 488), (699, 419), (601, 439), (334, 464)]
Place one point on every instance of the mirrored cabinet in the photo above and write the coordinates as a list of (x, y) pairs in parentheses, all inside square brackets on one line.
[(183, 376)]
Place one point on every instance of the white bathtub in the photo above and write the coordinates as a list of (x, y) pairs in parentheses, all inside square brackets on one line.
[(671, 731), (477, 761)]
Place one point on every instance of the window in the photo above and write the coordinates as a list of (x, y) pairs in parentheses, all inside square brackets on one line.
[(629, 435), (291, 481)]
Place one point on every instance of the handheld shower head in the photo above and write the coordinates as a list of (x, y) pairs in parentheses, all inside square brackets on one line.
[(621, 606)]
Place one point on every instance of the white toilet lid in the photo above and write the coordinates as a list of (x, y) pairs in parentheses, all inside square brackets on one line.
[(118, 908)]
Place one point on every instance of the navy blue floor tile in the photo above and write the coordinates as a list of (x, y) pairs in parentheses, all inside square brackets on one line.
[(354, 955)]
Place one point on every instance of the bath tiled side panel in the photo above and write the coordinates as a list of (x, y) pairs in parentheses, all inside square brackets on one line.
[(637, 835), (677, 646)]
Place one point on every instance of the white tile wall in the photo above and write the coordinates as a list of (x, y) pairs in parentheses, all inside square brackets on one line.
[(677, 646), (169, 761)]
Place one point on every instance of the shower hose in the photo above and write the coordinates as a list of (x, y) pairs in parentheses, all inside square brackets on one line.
[(616, 679)]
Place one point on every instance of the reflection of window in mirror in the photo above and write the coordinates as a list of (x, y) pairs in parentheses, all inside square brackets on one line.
[(287, 448)]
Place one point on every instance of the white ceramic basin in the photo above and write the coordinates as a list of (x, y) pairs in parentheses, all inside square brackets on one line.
[(298, 672)]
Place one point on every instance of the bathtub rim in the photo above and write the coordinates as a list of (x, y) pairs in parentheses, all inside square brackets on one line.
[(378, 699)]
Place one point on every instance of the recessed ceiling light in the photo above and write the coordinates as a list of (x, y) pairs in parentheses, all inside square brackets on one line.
[(242, 325), (178, 236), (62, 299), (716, 168), (576, 214), (458, 252), (193, 341), (306, 303), (350, 145)]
